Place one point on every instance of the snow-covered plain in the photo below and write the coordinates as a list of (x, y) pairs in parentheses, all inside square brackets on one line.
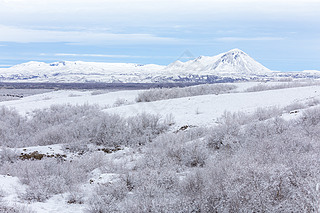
[(105, 99), (202, 110)]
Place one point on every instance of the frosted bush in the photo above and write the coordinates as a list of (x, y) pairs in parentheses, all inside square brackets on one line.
[(169, 93), (4, 208), (294, 106), (77, 147), (40, 189), (8, 155), (120, 102), (64, 124), (7, 98), (106, 198), (48, 176), (255, 162), (266, 113), (264, 87), (136, 130), (226, 135)]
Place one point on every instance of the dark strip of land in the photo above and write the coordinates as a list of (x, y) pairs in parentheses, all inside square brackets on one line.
[(109, 86)]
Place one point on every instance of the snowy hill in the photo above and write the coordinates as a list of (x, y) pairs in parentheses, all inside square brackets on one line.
[(232, 65)]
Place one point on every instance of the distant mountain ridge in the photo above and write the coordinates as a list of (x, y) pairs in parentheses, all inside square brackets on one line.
[(225, 67)]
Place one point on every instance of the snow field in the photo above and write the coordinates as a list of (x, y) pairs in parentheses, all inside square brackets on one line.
[(201, 111)]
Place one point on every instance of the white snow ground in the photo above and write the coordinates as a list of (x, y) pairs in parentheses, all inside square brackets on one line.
[(105, 99), (45, 100), (204, 110), (198, 110)]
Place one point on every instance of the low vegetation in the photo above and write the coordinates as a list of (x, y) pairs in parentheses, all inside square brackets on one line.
[(255, 162), (66, 124), (264, 87), (264, 165), (170, 93)]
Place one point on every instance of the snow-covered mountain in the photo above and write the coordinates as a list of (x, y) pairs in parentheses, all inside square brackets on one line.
[(234, 64), (78, 71)]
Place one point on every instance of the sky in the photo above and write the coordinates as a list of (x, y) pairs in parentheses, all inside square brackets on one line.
[(282, 35)]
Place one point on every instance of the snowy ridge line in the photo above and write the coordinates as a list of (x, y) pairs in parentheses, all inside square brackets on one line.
[(226, 67)]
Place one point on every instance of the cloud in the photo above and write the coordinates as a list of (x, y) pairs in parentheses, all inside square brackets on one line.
[(23, 35), (234, 39), (146, 10)]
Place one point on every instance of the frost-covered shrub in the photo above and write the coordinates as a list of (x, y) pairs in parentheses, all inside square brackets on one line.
[(5, 208), (8, 155), (228, 118), (64, 124), (79, 147), (57, 124), (226, 134), (107, 197), (310, 117), (41, 189), (120, 102), (99, 92), (76, 196), (137, 130), (264, 87), (57, 134), (264, 164), (63, 114), (274, 168), (7, 98), (73, 95), (109, 130), (144, 127), (177, 149), (42, 177), (294, 106), (309, 122), (191, 154), (48, 176), (170, 93), (13, 127), (265, 113)]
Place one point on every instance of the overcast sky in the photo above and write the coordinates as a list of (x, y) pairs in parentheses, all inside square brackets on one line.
[(282, 35)]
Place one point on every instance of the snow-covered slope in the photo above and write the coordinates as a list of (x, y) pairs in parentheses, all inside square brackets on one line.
[(234, 63)]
